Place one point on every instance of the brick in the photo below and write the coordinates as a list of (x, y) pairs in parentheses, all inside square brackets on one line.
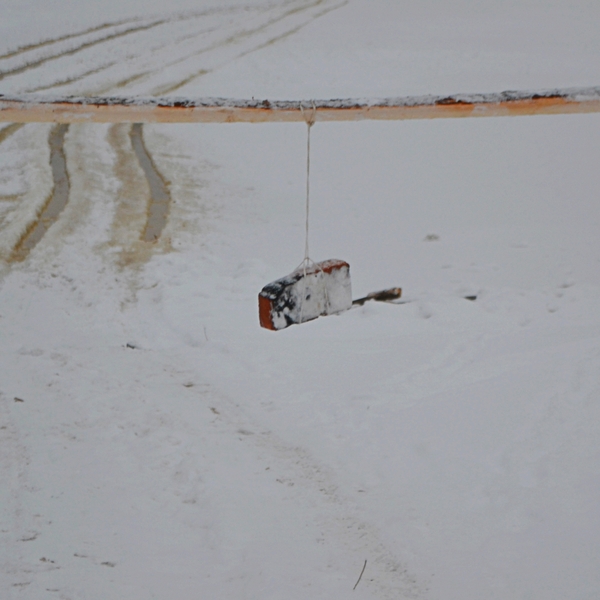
[(324, 289)]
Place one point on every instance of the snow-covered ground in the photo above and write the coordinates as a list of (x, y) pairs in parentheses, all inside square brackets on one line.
[(155, 442)]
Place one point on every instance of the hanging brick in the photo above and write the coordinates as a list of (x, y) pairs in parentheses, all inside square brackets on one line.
[(321, 289)]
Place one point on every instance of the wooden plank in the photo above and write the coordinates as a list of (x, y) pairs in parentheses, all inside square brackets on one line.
[(44, 109)]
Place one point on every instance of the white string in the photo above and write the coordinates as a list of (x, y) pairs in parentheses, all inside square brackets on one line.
[(309, 125), (310, 121)]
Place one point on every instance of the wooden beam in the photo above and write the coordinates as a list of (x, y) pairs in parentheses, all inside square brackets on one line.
[(47, 109)]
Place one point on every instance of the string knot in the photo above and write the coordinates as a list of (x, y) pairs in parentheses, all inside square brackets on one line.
[(312, 117)]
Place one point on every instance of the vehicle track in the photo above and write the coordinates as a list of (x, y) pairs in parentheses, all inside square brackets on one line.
[(79, 77), (7, 131), (57, 200), (173, 88), (63, 38), (133, 200), (156, 194), (31, 186), (64, 53), (71, 79), (160, 197), (236, 38), (153, 64), (38, 62)]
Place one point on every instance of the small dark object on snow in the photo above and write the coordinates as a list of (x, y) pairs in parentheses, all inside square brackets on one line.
[(360, 576), (131, 346), (382, 296), (471, 298), (19, 399)]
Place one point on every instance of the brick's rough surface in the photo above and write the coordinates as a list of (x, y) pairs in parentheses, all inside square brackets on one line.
[(321, 289)]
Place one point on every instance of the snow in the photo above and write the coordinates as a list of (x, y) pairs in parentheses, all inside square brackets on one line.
[(155, 442), (26, 183), (569, 94)]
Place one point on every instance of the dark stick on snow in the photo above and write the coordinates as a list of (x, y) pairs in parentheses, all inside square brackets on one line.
[(361, 574), (382, 296)]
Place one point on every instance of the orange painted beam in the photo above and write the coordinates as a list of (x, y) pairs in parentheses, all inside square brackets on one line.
[(47, 109)]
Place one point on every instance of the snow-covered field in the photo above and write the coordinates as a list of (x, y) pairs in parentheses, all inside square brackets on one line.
[(155, 442)]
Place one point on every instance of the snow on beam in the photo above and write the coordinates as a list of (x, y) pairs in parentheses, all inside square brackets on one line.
[(31, 108)]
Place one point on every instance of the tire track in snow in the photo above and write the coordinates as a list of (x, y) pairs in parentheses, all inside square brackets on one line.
[(129, 79), (133, 201), (29, 181), (286, 34), (155, 66), (55, 203), (235, 39), (160, 197), (273, 40), (7, 131), (72, 79), (106, 66), (57, 55), (38, 62), (63, 38), (158, 200)]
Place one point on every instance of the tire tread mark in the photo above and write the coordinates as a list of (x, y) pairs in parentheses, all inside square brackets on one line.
[(36, 63), (214, 46), (56, 201), (72, 79), (7, 131), (274, 40), (159, 201), (231, 39), (56, 40), (48, 42), (70, 52), (160, 198)]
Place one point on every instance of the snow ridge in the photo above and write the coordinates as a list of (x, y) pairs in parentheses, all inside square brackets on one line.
[(577, 94)]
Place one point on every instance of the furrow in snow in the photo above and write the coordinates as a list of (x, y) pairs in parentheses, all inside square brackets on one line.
[(29, 181), (77, 62), (160, 198), (72, 78), (55, 203), (226, 50), (74, 50), (53, 41), (7, 131), (155, 192), (218, 44), (169, 89), (79, 75), (133, 200)]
